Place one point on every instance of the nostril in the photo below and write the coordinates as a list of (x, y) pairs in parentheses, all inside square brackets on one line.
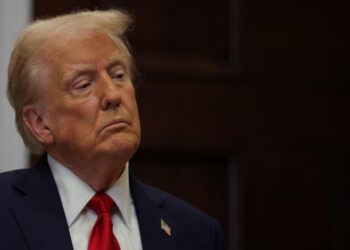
[(111, 99)]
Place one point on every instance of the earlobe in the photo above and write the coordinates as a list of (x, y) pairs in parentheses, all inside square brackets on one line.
[(35, 122)]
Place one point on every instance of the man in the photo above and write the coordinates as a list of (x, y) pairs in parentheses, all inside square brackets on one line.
[(70, 83)]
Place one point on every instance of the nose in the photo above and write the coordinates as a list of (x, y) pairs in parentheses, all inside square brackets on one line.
[(110, 93)]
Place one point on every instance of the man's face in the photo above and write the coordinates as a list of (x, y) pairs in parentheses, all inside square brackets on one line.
[(90, 105)]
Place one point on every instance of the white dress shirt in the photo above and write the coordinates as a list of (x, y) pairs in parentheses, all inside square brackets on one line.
[(75, 194)]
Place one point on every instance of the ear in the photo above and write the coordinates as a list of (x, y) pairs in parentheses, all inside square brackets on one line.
[(35, 122)]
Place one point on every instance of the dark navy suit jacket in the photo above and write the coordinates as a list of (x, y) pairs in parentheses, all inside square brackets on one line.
[(32, 217)]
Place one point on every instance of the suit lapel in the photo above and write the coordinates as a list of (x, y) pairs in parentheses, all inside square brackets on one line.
[(38, 210), (149, 217)]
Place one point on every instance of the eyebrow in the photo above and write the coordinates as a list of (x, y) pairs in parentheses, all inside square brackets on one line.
[(79, 69), (118, 59), (117, 62)]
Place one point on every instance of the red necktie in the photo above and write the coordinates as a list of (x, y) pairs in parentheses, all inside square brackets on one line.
[(102, 237)]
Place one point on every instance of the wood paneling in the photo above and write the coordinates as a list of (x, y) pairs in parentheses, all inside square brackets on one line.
[(283, 112)]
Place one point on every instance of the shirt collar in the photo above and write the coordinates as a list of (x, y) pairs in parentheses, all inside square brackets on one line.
[(75, 193)]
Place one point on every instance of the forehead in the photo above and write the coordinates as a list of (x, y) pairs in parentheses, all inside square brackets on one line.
[(85, 48)]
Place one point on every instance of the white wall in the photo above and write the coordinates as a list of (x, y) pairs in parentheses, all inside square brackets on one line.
[(14, 14)]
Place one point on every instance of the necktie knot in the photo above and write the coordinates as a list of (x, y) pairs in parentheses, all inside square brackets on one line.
[(101, 203)]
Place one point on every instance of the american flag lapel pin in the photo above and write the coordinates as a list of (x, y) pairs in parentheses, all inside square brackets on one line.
[(165, 227)]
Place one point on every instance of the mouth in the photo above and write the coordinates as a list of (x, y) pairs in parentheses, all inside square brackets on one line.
[(119, 122)]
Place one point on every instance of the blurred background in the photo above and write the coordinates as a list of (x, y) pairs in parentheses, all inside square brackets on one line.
[(244, 108)]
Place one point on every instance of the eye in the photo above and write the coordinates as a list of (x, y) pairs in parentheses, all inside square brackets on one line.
[(118, 74), (82, 85)]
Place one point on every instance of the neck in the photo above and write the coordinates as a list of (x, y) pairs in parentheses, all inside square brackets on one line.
[(99, 173)]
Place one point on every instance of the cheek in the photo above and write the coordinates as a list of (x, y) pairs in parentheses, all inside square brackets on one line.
[(70, 116), (132, 107), (130, 99), (73, 120), (78, 109)]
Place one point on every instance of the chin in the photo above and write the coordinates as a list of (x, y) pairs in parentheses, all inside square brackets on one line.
[(121, 147)]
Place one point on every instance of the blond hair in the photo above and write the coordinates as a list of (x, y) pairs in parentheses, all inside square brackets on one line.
[(25, 67)]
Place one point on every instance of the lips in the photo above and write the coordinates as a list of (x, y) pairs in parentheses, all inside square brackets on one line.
[(116, 122)]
